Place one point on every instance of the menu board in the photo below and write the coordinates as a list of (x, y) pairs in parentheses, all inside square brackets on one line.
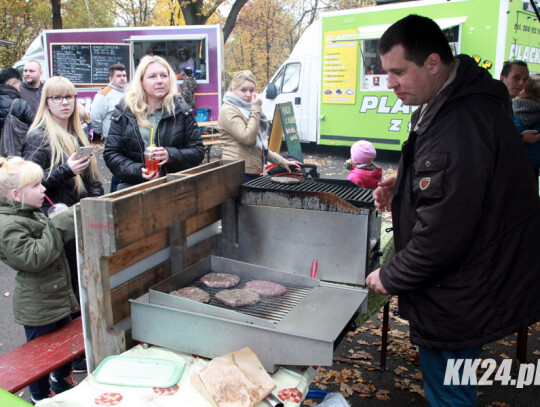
[(340, 67), (88, 64), (284, 125)]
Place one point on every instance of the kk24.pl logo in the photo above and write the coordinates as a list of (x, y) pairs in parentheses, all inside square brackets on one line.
[(463, 372)]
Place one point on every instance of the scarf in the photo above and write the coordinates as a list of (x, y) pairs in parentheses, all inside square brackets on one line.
[(245, 108), (527, 110)]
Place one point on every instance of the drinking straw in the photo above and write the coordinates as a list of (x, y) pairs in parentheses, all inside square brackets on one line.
[(51, 202), (152, 137)]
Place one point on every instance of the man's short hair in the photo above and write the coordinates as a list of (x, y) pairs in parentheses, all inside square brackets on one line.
[(9, 73), (34, 62), (507, 66), (419, 36), (188, 71), (116, 67)]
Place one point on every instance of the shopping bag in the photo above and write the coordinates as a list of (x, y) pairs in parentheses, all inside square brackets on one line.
[(13, 134)]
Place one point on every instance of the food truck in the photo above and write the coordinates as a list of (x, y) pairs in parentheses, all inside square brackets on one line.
[(84, 57), (334, 77)]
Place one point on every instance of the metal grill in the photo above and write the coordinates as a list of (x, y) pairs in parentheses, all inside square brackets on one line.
[(346, 190), (273, 309)]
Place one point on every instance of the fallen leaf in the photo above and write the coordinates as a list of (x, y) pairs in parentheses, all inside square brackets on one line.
[(536, 352), (414, 388), (6, 294), (500, 404), (310, 403), (345, 388), (383, 395), (362, 342), (505, 356)]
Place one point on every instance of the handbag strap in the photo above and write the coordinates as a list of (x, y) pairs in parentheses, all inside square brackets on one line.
[(11, 106)]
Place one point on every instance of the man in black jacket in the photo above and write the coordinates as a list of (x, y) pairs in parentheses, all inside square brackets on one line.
[(10, 82), (465, 211)]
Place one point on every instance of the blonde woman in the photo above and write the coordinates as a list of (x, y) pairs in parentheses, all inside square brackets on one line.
[(244, 127), (152, 102), (52, 142)]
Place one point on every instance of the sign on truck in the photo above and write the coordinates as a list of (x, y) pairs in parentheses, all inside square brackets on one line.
[(84, 57), (334, 76)]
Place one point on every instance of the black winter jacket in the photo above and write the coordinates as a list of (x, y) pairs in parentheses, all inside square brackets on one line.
[(60, 182), (178, 134), (466, 216), (20, 110)]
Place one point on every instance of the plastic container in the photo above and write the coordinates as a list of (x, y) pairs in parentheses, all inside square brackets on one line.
[(139, 372)]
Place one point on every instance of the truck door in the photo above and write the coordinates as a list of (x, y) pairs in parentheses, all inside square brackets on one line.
[(288, 87)]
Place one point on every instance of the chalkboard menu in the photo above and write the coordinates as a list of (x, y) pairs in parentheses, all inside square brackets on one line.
[(284, 125), (88, 64)]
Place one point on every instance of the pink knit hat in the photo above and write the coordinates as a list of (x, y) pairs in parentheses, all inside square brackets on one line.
[(363, 152)]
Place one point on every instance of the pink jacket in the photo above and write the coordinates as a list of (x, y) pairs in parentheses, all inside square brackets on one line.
[(365, 178)]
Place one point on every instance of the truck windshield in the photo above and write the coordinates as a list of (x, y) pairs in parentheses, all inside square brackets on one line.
[(288, 78)]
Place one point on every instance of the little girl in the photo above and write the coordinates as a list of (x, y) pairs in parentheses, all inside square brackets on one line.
[(362, 170), (33, 245)]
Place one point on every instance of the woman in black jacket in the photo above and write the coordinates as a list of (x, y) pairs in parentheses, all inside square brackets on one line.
[(152, 114)]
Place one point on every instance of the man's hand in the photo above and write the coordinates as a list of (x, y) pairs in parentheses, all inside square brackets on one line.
[(374, 282), (384, 194), (530, 136)]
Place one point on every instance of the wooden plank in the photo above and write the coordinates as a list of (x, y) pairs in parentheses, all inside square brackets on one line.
[(229, 242), (140, 215), (98, 235), (178, 246), (137, 251), (201, 250), (135, 288), (208, 124), (202, 220), (37, 358)]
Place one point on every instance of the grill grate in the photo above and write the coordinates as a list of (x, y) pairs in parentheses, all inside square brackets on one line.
[(346, 190), (273, 309)]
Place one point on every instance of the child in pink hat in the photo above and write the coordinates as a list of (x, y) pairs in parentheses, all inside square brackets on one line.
[(362, 170)]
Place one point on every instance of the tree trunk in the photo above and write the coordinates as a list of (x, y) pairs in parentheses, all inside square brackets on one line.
[(193, 16), (231, 18), (56, 14)]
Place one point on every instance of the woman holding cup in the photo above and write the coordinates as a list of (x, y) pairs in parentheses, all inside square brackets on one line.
[(152, 123)]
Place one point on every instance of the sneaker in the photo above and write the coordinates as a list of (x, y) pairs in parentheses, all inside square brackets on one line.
[(79, 365), (34, 400), (59, 385)]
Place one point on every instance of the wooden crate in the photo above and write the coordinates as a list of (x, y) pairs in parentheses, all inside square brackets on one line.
[(130, 240)]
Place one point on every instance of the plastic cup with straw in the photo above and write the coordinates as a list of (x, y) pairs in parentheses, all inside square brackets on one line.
[(55, 209), (150, 162)]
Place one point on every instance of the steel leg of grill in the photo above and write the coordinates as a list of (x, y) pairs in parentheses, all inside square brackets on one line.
[(384, 337), (521, 349)]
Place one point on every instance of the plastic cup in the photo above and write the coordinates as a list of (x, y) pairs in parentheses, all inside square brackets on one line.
[(56, 209), (150, 163)]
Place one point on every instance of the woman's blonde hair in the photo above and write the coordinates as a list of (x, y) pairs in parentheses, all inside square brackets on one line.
[(240, 77), (17, 173), (84, 117), (136, 96), (63, 143)]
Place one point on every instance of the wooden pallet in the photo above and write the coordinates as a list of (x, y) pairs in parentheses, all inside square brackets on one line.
[(136, 237)]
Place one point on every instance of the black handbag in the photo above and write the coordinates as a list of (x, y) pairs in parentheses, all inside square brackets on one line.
[(13, 134)]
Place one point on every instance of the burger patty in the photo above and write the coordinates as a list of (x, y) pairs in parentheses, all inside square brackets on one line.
[(220, 280), (286, 180), (238, 297), (265, 288), (192, 293)]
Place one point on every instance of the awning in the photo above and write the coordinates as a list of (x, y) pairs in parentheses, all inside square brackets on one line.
[(376, 31)]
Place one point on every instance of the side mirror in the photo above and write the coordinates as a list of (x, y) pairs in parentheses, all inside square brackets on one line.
[(271, 91)]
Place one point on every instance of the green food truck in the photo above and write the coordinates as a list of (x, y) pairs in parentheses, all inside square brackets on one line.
[(336, 83)]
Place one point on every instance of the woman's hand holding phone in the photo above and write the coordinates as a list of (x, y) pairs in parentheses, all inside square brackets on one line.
[(78, 165)]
